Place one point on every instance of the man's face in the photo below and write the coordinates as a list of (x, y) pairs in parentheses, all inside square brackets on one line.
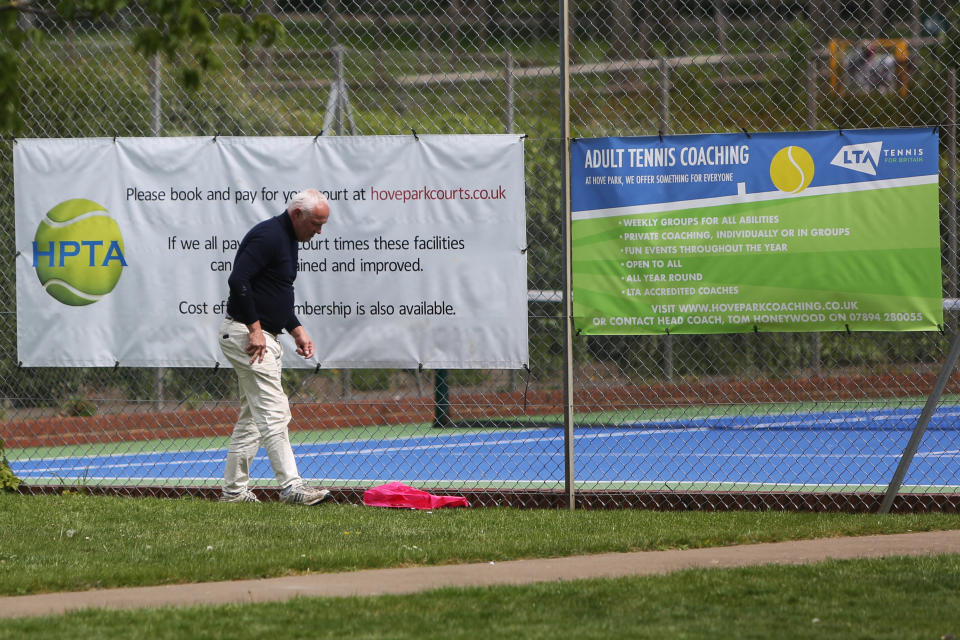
[(307, 224)]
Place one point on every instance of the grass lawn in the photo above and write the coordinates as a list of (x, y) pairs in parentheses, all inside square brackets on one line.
[(898, 598), (75, 542)]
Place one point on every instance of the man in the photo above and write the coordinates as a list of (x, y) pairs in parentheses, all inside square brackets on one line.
[(259, 308)]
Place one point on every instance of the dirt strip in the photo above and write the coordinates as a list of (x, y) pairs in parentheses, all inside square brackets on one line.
[(409, 580)]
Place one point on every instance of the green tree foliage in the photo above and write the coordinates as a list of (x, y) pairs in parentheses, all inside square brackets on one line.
[(186, 32), (8, 479)]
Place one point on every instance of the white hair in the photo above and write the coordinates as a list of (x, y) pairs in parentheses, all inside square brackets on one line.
[(306, 201)]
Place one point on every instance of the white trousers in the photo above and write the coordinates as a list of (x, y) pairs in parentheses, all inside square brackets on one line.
[(264, 410)]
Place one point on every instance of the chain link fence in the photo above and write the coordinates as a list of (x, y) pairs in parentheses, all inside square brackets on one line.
[(771, 420)]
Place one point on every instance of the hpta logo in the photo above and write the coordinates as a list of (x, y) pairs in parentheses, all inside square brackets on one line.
[(78, 252), (861, 157), (791, 169)]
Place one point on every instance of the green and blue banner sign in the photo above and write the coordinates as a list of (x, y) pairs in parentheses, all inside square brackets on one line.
[(731, 233)]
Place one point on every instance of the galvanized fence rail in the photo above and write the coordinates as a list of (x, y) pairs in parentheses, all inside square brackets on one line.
[(634, 420)]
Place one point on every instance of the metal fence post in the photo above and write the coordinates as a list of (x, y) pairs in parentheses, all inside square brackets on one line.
[(340, 84), (913, 444), (951, 214), (722, 24), (812, 91), (339, 115), (156, 107), (156, 128), (568, 409), (814, 362), (915, 19), (664, 127), (509, 95), (441, 399), (664, 112), (509, 115)]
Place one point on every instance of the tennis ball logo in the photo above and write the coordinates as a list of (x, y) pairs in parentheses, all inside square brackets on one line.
[(78, 252), (791, 169)]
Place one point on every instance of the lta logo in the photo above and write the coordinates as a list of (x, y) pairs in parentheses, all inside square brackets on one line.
[(861, 157), (78, 252)]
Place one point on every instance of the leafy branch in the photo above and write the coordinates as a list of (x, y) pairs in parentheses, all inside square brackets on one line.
[(183, 31), (8, 479)]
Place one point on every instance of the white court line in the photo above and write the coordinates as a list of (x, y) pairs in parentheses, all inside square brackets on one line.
[(368, 450), (706, 454), (776, 483), (261, 483), (191, 451), (909, 413), (537, 454), (488, 443), (125, 465), (165, 481)]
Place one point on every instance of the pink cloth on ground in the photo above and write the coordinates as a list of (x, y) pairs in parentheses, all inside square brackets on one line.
[(395, 494)]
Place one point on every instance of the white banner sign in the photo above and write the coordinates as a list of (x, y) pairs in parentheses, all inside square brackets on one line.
[(125, 245)]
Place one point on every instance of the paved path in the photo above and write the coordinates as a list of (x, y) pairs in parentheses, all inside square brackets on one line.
[(408, 580)]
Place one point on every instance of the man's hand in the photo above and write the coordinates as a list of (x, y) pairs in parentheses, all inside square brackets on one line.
[(304, 343), (257, 345)]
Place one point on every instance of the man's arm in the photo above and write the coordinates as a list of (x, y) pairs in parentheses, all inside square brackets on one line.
[(250, 260), (248, 263), (304, 343)]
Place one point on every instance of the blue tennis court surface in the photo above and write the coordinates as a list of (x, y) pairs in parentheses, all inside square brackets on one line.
[(813, 449)]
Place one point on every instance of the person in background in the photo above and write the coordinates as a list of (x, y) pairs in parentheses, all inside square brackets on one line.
[(260, 307)]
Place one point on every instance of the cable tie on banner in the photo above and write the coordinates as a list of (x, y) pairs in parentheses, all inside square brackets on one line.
[(114, 138), (579, 331), (18, 254), (318, 135), (13, 139), (215, 136), (419, 367), (317, 370), (216, 365), (415, 136), (20, 364), (940, 329), (524, 250), (523, 136), (745, 132), (667, 330), (660, 134), (848, 329), (756, 329), (839, 131), (116, 365)]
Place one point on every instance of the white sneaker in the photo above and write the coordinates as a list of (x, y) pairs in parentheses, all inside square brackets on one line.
[(244, 495), (300, 493)]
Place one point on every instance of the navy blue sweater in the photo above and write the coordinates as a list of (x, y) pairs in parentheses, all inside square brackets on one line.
[(261, 285)]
